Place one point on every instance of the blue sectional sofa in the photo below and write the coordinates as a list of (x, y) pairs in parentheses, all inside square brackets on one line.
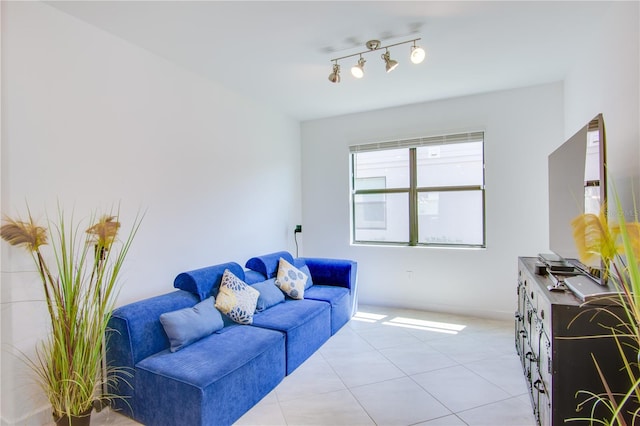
[(215, 379)]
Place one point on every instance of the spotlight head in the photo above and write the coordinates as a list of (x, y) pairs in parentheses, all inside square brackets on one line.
[(417, 54), (391, 64), (334, 77), (358, 70)]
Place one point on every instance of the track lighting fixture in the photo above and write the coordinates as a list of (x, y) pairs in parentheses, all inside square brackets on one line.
[(334, 77), (417, 55), (358, 70), (391, 64)]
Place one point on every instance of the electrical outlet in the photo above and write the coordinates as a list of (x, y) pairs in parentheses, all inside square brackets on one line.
[(298, 229)]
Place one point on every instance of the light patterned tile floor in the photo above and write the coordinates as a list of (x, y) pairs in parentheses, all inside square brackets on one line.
[(399, 367)]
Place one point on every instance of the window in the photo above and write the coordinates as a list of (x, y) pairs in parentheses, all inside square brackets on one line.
[(427, 191)]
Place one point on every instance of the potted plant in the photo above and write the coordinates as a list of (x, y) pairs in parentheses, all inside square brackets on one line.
[(79, 273), (617, 244)]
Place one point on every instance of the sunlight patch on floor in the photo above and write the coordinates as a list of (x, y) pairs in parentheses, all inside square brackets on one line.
[(367, 317), (416, 324)]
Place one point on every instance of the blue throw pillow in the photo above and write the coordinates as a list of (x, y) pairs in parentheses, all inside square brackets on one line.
[(188, 325), (300, 264), (270, 295), (307, 272)]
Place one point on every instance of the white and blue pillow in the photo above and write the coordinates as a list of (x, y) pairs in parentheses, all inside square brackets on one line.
[(236, 299), (291, 280)]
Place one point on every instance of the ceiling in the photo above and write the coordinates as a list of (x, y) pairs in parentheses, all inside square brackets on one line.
[(279, 53)]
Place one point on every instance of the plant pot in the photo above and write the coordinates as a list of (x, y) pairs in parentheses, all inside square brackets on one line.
[(83, 419)]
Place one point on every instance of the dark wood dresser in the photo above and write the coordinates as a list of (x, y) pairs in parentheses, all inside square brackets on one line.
[(555, 337)]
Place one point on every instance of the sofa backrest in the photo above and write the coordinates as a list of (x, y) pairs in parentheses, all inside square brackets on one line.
[(204, 282), (267, 264)]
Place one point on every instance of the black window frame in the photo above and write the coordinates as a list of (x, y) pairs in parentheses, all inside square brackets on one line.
[(413, 190)]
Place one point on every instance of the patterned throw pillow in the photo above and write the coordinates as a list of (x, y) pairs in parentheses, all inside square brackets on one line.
[(236, 299), (291, 280)]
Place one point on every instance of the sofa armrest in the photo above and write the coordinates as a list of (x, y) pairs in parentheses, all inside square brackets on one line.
[(135, 331), (337, 272)]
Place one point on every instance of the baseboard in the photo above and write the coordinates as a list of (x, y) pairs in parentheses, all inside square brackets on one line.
[(40, 417), (453, 309)]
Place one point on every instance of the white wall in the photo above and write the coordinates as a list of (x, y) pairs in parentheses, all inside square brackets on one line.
[(521, 127), (607, 81), (93, 121)]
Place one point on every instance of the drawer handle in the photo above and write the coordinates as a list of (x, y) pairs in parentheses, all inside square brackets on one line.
[(538, 386), (530, 356), (542, 313)]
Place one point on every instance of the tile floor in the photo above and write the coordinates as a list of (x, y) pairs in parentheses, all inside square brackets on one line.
[(399, 367)]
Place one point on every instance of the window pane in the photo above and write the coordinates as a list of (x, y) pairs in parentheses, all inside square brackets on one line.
[(381, 217), (454, 217), (592, 199), (455, 164), (386, 169)]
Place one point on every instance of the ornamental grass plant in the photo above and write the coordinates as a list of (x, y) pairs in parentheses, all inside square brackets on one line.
[(78, 268), (617, 244)]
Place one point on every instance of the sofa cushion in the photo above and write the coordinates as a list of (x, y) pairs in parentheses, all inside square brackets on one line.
[(236, 299), (204, 282), (267, 264), (339, 299), (291, 280), (188, 325), (270, 295), (306, 323)]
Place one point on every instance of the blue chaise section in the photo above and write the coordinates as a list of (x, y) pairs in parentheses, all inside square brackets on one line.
[(213, 381)]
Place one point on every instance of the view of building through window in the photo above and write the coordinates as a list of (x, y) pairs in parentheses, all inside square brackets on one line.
[(592, 173), (426, 192)]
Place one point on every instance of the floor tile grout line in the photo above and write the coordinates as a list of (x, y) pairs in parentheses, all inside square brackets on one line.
[(408, 376), (514, 397)]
